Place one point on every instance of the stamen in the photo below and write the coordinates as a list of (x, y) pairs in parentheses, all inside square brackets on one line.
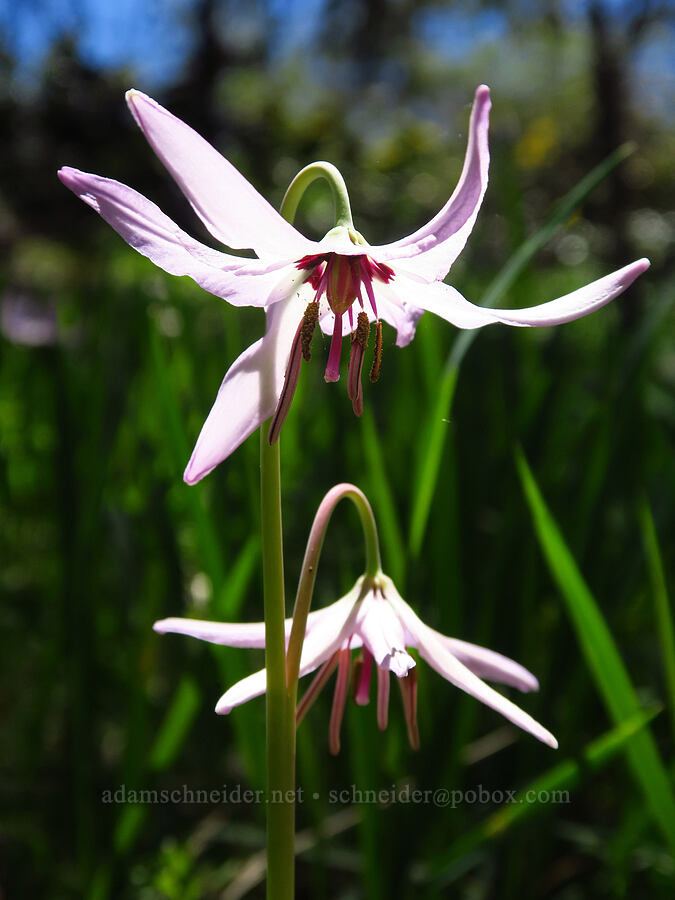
[(359, 344), (382, 698), (290, 383), (367, 281), (333, 367), (377, 358), (314, 689), (361, 679), (408, 687), (309, 321), (339, 700)]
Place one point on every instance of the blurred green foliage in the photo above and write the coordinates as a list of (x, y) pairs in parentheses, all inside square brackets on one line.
[(100, 537)]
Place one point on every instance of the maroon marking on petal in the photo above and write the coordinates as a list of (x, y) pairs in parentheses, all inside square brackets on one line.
[(311, 261), (383, 272), (368, 283)]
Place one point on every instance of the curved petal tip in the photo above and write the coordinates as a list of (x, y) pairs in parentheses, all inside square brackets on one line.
[(193, 474), (68, 175), (550, 740)]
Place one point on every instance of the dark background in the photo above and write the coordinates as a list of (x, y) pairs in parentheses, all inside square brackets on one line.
[(108, 368)]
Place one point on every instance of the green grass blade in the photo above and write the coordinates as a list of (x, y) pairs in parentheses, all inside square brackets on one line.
[(435, 430), (601, 655), (536, 798), (176, 724), (383, 498), (208, 537), (664, 618)]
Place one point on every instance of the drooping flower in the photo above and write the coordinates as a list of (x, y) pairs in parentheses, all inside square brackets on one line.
[(374, 620), (299, 281)]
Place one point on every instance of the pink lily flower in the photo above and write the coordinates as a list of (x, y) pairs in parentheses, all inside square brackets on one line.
[(299, 281), (374, 619)]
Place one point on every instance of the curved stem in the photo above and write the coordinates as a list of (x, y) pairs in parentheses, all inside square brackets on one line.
[(297, 187), (309, 565)]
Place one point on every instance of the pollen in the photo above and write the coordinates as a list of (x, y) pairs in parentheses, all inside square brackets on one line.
[(309, 321), (377, 358)]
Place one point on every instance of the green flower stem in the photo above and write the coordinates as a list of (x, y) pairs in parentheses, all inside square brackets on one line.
[(280, 703), (309, 565), (280, 715), (297, 187)]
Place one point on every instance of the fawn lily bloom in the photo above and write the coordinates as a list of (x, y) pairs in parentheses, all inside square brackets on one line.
[(299, 281), (373, 619)]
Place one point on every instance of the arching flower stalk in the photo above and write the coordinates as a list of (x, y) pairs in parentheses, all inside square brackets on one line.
[(300, 282)]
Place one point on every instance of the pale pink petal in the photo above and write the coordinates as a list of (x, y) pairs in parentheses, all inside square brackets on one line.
[(231, 208), (448, 303), (450, 668), (249, 392), (382, 634), (440, 658), (245, 634), (329, 633), (252, 686), (144, 226), (432, 249), (393, 307), (488, 664)]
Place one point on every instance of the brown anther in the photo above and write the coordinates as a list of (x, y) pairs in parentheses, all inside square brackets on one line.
[(362, 330), (359, 344), (309, 321), (377, 358)]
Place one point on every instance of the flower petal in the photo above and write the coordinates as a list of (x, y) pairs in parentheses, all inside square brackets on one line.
[(250, 634), (440, 658), (448, 303), (147, 229), (249, 392), (456, 673), (239, 634), (230, 207), (383, 635), (252, 686), (329, 633), (432, 249), (488, 664), (397, 312)]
